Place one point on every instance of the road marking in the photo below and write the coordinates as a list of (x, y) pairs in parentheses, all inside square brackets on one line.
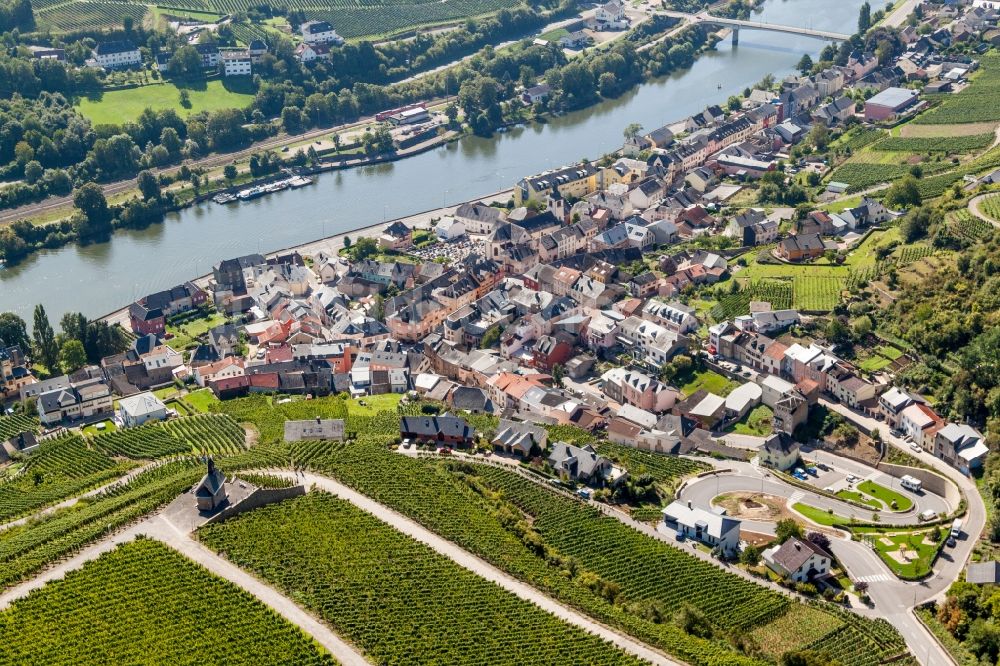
[(875, 578), (796, 496)]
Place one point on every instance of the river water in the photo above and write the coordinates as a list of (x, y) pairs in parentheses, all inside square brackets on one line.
[(99, 278)]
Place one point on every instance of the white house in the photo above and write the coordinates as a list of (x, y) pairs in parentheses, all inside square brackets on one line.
[(114, 55), (320, 32), (140, 408), (797, 560), (742, 400), (706, 526), (611, 16), (779, 451), (237, 63), (448, 229)]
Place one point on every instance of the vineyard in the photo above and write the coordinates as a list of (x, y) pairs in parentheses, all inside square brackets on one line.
[(663, 468), (208, 433), (858, 138), (27, 548), (779, 293), (145, 603), (350, 19), (467, 515), (975, 104), (862, 175), (145, 442), (944, 144), (60, 468), (86, 15), (16, 424), (393, 596), (990, 206)]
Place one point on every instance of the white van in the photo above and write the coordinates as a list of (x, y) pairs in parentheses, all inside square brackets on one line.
[(956, 528), (928, 515), (910, 483)]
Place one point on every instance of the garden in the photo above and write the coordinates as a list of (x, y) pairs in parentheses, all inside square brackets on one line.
[(758, 422), (908, 553), (146, 603)]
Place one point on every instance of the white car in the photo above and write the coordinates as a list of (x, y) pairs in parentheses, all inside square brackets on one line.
[(852, 479)]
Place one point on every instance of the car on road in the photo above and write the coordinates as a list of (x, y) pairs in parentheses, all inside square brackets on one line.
[(584, 493), (852, 479), (555, 482), (915, 448), (823, 466)]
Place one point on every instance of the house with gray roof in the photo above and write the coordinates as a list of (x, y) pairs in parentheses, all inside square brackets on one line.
[(519, 438), (581, 464), (798, 560), (708, 527)]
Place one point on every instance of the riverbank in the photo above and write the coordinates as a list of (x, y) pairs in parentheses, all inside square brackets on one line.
[(333, 244), (98, 277)]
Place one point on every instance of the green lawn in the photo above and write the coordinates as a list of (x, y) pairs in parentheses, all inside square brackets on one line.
[(858, 497), (874, 363), (118, 106), (186, 334), (92, 430), (887, 496), (920, 555), (374, 404), (758, 422), (711, 381), (819, 516), (554, 35), (201, 400)]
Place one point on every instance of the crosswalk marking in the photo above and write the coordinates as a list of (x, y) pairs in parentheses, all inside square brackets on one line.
[(796, 496), (875, 578)]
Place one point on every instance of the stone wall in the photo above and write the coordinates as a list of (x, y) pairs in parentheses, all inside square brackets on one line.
[(256, 499)]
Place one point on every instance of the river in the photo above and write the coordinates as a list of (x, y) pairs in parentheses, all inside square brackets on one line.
[(101, 277)]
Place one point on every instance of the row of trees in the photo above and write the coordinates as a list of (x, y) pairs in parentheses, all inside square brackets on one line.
[(80, 341)]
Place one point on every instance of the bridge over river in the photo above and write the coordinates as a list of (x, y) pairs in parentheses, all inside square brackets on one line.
[(737, 24)]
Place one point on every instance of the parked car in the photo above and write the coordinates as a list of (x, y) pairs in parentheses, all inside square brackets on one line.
[(852, 479), (680, 535), (951, 542), (584, 493), (915, 448), (446, 451), (823, 466), (812, 471)]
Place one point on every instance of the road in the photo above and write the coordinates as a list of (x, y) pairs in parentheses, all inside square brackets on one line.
[(900, 13), (975, 202), (897, 599)]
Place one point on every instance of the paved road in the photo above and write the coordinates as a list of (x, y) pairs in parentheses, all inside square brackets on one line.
[(896, 599), (975, 202), (480, 567), (900, 13)]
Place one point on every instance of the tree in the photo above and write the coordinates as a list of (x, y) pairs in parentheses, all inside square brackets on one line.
[(734, 103), (819, 136), (805, 64), (185, 99), (916, 223), (864, 19), (33, 172), (186, 61), (364, 248), (90, 200), (903, 193), (632, 130), (806, 658), (347, 242), (72, 356), (819, 539), (148, 185), (557, 374), (750, 556), (13, 331), (230, 172), (786, 529), (45, 347)]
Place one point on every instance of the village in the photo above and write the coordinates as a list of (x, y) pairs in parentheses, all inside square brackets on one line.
[(650, 307)]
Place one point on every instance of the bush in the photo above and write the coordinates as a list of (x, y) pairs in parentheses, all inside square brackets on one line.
[(807, 589)]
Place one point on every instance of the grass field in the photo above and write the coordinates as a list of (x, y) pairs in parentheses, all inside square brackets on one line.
[(758, 422), (819, 516), (886, 496), (711, 381), (186, 334), (119, 106), (201, 400), (858, 497), (908, 554), (801, 625), (144, 603)]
